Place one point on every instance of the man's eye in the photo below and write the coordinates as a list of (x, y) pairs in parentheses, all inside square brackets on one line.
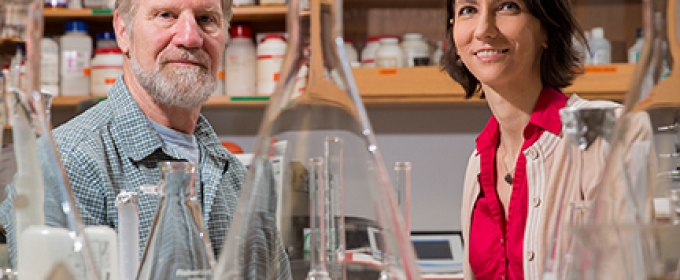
[(206, 19), (165, 15)]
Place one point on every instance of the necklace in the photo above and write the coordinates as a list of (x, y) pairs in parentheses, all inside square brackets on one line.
[(508, 176)]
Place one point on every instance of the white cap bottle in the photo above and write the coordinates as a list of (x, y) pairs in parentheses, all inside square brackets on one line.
[(389, 54), (600, 48), (270, 53), (76, 52), (240, 62), (416, 50)]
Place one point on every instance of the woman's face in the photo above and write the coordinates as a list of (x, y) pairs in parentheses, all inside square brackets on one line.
[(499, 41)]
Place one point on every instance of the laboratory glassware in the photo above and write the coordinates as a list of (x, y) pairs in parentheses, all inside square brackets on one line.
[(178, 247), (316, 111)]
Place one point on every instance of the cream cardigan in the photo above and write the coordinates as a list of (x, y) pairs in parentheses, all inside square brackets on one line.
[(546, 166)]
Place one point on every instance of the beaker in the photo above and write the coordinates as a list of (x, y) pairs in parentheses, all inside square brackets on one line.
[(40, 215), (625, 236), (317, 110), (178, 247)]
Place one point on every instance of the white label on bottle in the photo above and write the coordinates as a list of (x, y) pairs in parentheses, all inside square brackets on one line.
[(103, 78), (388, 61), (49, 72), (240, 75), (74, 64), (243, 2), (601, 57), (268, 67)]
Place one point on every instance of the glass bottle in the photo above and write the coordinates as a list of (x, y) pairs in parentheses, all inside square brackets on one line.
[(316, 109), (44, 230), (178, 247), (587, 130), (630, 233)]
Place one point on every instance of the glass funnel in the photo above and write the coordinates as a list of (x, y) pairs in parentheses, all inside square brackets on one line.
[(316, 112), (632, 231), (43, 226), (178, 247)]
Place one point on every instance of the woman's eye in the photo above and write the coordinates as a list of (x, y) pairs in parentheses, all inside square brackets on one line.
[(509, 6), (466, 11)]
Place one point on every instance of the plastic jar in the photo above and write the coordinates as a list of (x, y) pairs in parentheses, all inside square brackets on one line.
[(106, 40), (76, 52), (49, 66), (272, 2), (107, 65), (416, 50), (351, 52), (240, 62), (219, 87), (368, 53), (600, 47), (243, 3), (389, 54), (270, 53)]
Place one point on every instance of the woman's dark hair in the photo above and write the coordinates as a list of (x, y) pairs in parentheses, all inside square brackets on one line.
[(560, 61)]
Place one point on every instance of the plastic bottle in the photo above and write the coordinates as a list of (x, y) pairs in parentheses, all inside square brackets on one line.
[(76, 52), (219, 88), (49, 66), (107, 65), (600, 48), (94, 4), (351, 52), (272, 2), (635, 50), (368, 53), (270, 53), (438, 52), (416, 50), (389, 54), (55, 4), (243, 2), (75, 4), (240, 62), (106, 40)]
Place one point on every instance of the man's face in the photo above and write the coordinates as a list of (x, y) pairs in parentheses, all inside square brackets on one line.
[(176, 47)]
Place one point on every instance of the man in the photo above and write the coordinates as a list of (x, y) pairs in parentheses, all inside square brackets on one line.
[(172, 51)]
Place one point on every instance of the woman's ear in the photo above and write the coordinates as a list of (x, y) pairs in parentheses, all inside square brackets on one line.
[(122, 33)]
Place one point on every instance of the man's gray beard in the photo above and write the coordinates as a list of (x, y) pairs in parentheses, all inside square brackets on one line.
[(186, 88)]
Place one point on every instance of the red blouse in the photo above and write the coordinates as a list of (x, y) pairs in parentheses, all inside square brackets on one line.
[(496, 244)]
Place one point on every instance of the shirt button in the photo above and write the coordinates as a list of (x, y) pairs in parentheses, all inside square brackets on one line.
[(536, 201), (503, 241), (530, 256), (532, 154), (502, 277)]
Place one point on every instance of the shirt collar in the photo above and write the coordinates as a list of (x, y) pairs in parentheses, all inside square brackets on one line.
[(546, 115)]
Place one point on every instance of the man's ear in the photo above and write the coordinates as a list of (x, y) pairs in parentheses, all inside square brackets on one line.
[(122, 33)]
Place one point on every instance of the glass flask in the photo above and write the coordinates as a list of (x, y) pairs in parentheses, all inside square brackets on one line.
[(316, 111), (632, 231), (44, 228), (178, 247), (587, 131)]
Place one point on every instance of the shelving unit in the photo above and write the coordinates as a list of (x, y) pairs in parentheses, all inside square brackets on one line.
[(407, 87), (431, 87)]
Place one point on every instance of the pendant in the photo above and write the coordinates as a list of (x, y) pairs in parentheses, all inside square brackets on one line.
[(508, 178)]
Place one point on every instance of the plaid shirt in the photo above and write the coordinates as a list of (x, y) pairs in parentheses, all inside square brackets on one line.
[(112, 147)]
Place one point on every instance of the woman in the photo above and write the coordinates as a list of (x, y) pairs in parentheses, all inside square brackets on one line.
[(518, 54)]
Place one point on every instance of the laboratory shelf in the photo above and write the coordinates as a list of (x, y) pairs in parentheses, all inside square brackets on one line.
[(430, 87)]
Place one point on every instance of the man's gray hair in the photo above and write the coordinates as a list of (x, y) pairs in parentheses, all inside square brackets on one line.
[(128, 8)]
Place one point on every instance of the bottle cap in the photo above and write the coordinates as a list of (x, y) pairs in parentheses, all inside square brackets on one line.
[(597, 32), (76, 26), (106, 36), (240, 31)]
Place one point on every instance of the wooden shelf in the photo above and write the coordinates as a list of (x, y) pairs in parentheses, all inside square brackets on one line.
[(249, 13), (428, 86)]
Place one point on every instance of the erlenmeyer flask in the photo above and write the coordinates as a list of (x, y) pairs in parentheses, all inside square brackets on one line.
[(628, 235), (178, 247), (317, 111), (587, 131), (43, 225)]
